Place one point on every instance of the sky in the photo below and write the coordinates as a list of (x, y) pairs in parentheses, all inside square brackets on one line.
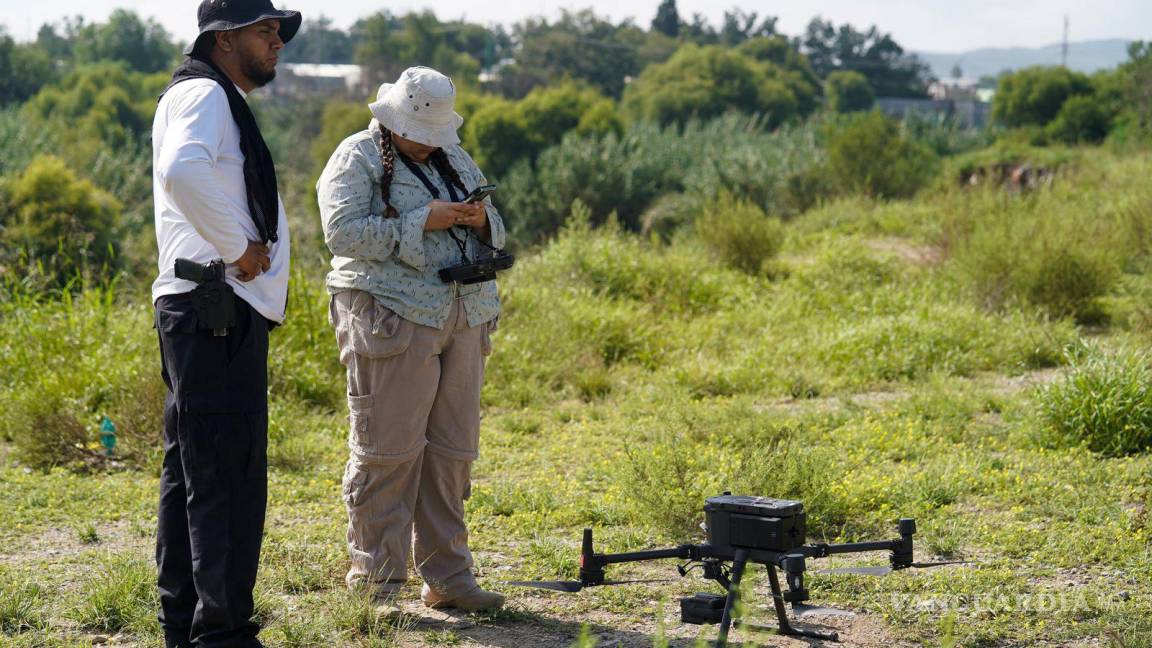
[(918, 25)]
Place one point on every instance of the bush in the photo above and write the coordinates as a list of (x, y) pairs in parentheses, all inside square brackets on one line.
[(704, 83), (1082, 120), (848, 91), (68, 362), (1034, 96), (58, 220), (1103, 403), (869, 155), (502, 132), (628, 174), (740, 233), (103, 104), (1059, 249)]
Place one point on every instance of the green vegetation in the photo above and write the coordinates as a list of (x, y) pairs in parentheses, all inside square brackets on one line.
[(1103, 403), (1034, 96), (869, 155), (49, 213), (500, 132), (702, 83), (879, 318), (848, 92)]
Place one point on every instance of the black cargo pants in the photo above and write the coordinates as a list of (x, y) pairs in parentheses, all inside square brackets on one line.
[(214, 480)]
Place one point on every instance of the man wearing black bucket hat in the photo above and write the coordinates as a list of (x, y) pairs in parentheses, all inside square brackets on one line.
[(218, 212)]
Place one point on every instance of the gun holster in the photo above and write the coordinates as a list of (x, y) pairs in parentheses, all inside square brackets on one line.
[(213, 299)]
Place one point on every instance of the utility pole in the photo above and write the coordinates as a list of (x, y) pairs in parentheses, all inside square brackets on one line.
[(1064, 47)]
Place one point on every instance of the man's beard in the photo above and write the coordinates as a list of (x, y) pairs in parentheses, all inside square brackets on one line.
[(260, 76)]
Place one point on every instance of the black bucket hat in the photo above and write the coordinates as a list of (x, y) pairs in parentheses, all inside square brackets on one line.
[(225, 15)]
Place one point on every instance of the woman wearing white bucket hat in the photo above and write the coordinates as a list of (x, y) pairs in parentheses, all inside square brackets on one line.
[(414, 345)]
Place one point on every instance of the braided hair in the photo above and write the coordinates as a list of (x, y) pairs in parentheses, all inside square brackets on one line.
[(388, 158), (438, 158)]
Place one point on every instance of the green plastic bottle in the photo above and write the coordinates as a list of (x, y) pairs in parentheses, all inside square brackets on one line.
[(108, 436)]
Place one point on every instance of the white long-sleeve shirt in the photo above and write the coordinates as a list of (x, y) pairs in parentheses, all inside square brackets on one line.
[(201, 200)]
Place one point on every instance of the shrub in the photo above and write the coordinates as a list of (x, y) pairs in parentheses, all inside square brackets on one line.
[(627, 174), (103, 104), (740, 233), (704, 83), (869, 155), (1081, 120), (847, 91), (48, 213), (502, 132), (1103, 402), (1059, 250), (1034, 96)]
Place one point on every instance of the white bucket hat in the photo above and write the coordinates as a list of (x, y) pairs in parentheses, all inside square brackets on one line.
[(419, 107)]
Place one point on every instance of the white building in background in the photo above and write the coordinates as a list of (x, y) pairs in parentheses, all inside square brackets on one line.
[(319, 79)]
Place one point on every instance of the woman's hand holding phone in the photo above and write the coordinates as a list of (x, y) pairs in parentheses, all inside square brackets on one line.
[(446, 215)]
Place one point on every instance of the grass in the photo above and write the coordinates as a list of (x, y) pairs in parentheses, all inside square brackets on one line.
[(1104, 403), (867, 374)]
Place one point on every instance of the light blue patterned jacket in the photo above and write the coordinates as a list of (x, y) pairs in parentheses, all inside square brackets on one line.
[(394, 258)]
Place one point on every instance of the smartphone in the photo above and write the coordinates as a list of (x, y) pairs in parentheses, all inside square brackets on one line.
[(480, 193)]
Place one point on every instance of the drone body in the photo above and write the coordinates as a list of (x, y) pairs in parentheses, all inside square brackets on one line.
[(740, 530)]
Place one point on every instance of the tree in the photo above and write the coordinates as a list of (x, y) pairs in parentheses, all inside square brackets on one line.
[(739, 27), (789, 66), (667, 20), (51, 215), (501, 132), (705, 82), (59, 48), (142, 46), (846, 92), (102, 106), (24, 69), (889, 71), (580, 46), (387, 45), (1034, 96), (319, 42)]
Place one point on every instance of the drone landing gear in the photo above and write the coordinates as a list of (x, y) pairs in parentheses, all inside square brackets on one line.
[(731, 583)]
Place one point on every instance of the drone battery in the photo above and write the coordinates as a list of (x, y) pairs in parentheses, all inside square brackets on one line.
[(755, 522), (702, 609)]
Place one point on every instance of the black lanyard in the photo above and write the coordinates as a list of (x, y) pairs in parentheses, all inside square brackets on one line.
[(432, 189)]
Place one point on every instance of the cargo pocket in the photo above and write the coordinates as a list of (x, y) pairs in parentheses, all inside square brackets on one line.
[(360, 425), (372, 330), (353, 484)]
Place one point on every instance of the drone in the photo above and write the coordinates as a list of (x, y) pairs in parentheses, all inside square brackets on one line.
[(740, 530)]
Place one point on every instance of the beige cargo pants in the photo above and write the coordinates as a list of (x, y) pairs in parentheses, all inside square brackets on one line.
[(414, 402)]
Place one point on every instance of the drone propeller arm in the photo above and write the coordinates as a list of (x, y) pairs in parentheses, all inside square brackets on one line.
[(683, 552), (592, 564), (901, 549), (822, 550)]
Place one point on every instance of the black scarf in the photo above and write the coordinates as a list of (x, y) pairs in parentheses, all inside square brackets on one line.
[(259, 170)]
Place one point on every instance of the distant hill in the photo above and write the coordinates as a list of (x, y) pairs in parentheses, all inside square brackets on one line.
[(1086, 56)]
